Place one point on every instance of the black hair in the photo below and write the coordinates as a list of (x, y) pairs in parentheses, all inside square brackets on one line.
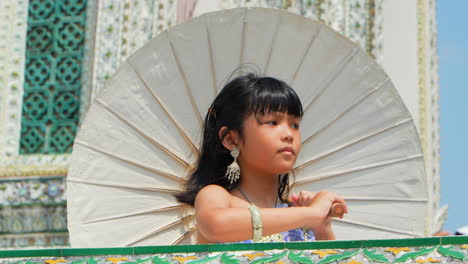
[(241, 97)]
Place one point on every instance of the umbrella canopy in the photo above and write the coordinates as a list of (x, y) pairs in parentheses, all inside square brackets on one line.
[(140, 137)]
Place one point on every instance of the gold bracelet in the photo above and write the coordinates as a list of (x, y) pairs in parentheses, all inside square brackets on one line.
[(256, 223)]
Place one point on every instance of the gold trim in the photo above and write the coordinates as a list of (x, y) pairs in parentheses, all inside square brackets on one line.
[(17, 168)]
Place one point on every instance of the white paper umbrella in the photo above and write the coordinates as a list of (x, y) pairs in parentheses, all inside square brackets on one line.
[(140, 136)]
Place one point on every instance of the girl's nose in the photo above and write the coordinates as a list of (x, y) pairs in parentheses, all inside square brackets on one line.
[(288, 136)]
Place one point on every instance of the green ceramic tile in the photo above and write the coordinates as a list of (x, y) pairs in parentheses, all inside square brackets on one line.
[(170, 249), (247, 247), (410, 242), (96, 251), (54, 52), (454, 240), (324, 245), (21, 205), (42, 179), (30, 253)]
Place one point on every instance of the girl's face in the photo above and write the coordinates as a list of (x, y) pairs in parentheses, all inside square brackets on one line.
[(270, 144)]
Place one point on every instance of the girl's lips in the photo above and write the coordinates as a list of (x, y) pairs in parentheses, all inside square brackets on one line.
[(287, 149)]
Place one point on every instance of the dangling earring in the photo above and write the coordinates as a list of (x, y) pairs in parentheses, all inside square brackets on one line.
[(233, 170)]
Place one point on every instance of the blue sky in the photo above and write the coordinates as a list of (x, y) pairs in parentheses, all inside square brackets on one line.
[(453, 74)]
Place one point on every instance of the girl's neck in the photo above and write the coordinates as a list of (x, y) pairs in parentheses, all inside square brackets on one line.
[(262, 190)]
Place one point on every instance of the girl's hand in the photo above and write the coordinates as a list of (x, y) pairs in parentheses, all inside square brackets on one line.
[(322, 203), (303, 199)]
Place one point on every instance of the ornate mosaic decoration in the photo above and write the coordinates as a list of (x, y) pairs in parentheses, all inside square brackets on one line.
[(123, 27), (429, 103), (54, 54), (433, 82), (114, 30), (303, 253), (62, 53), (377, 28), (34, 219), (32, 211), (88, 58), (32, 191), (34, 240), (354, 18), (13, 24)]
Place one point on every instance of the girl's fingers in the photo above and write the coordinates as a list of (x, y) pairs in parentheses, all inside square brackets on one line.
[(295, 200), (306, 198), (337, 210), (340, 200), (294, 197)]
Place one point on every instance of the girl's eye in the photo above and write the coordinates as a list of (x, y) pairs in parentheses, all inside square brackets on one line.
[(295, 125), (272, 122)]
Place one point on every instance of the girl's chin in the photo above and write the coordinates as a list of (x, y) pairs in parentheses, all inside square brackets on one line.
[(283, 170)]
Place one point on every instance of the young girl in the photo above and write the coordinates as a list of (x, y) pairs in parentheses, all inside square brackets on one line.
[(240, 189)]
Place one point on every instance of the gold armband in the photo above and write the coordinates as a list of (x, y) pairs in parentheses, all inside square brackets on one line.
[(256, 223)]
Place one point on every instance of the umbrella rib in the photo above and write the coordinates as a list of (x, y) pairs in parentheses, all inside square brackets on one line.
[(378, 227), (273, 38), (122, 186), (306, 53), (160, 229), (341, 67), (188, 233), (169, 175), (357, 102), (186, 84), (212, 67), (179, 127), (361, 168), (333, 151), (390, 199), (244, 22), (149, 138), (103, 219)]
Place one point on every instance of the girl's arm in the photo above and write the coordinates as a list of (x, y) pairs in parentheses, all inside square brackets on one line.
[(323, 231), (217, 222)]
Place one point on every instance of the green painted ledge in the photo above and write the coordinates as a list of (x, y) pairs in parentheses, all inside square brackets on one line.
[(357, 244)]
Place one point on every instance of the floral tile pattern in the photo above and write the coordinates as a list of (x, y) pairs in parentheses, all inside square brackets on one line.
[(426, 254)]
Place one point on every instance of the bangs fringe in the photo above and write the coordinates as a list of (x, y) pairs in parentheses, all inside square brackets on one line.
[(273, 95)]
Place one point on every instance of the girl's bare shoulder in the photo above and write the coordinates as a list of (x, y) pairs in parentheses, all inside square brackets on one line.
[(215, 195)]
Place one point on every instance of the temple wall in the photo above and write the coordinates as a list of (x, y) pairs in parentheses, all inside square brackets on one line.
[(399, 34)]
